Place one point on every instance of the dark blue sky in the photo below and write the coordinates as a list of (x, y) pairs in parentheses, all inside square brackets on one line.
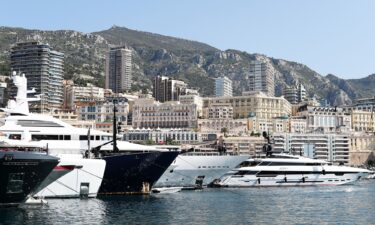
[(329, 36)]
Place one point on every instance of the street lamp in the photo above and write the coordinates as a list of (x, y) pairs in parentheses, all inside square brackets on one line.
[(115, 149)]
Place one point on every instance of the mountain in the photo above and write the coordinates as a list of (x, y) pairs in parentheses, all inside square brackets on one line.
[(365, 86), (194, 62)]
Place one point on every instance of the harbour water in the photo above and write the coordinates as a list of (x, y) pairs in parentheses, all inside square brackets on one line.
[(348, 204)]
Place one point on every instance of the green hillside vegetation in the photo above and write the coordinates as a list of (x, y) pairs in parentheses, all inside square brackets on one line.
[(191, 61)]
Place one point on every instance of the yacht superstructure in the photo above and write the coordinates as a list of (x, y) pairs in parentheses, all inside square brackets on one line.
[(289, 170)]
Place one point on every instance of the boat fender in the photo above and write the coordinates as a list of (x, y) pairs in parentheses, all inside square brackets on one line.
[(285, 179), (303, 179), (258, 180), (324, 171)]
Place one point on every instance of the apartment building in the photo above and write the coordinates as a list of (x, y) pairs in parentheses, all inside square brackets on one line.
[(261, 78), (76, 95), (167, 89), (295, 93), (223, 87), (44, 70), (118, 73), (330, 147), (363, 120)]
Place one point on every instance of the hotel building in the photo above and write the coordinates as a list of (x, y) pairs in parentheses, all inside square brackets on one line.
[(148, 113), (253, 104)]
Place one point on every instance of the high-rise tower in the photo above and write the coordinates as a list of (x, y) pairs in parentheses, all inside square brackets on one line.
[(118, 74), (43, 68), (223, 87), (261, 79)]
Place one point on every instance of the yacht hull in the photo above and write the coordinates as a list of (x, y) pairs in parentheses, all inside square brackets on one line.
[(134, 173), (21, 173), (186, 169), (56, 173), (83, 181)]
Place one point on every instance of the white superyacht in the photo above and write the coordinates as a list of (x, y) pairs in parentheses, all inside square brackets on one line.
[(288, 170), (281, 170), (19, 124)]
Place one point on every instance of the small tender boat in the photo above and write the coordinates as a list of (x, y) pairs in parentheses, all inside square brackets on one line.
[(166, 190), (371, 175)]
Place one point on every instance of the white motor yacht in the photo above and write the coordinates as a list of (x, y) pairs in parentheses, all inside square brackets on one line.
[(288, 170)]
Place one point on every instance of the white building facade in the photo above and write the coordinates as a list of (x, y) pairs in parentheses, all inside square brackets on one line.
[(261, 79), (102, 111), (326, 119), (74, 95), (330, 147), (148, 113), (223, 87), (160, 136)]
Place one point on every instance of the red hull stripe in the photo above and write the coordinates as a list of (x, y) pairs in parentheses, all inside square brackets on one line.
[(64, 168)]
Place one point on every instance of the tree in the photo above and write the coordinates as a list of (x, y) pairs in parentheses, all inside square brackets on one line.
[(170, 141), (149, 142), (371, 163), (224, 130)]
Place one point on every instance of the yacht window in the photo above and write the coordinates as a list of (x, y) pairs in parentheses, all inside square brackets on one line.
[(244, 172), (97, 138), (15, 136), (17, 114), (15, 183), (240, 173), (39, 137), (83, 137), (248, 163), (267, 173), (106, 138), (37, 123), (67, 137)]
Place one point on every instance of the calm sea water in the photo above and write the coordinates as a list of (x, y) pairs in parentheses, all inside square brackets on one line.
[(351, 204)]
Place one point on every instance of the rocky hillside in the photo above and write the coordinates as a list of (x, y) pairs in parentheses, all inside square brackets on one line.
[(194, 62)]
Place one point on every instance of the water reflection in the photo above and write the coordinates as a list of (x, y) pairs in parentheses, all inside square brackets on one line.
[(344, 204)]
